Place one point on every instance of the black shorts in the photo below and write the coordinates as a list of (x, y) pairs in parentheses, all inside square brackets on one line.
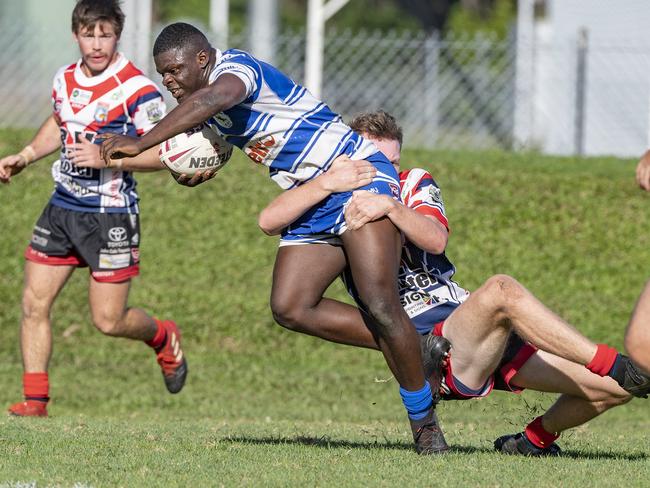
[(108, 243)]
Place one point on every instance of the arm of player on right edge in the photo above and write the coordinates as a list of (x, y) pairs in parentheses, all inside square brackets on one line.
[(46, 141), (643, 171), (224, 93), (344, 175)]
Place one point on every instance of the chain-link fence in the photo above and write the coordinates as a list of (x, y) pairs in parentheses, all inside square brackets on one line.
[(451, 92)]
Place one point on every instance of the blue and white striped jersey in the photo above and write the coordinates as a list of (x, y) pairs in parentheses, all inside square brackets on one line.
[(280, 124)]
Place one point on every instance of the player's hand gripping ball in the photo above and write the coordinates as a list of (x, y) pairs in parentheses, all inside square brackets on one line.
[(198, 149)]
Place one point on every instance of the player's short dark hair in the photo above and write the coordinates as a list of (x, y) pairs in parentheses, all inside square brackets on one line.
[(380, 124), (87, 13), (180, 35)]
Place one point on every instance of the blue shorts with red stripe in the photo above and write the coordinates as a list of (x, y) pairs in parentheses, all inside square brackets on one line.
[(324, 222)]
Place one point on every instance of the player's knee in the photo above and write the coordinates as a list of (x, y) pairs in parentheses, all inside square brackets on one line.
[(34, 308), (385, 313), (287, 313), (108, 325), (503, 290)]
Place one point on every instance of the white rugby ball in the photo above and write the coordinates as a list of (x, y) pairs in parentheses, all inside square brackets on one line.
[(198, 149)]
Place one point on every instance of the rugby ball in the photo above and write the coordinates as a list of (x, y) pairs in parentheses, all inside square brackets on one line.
[(198, 149)]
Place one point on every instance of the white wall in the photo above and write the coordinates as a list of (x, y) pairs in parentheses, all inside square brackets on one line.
[(617, 95)]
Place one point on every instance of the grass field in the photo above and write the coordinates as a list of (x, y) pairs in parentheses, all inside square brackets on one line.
[(267, 407)]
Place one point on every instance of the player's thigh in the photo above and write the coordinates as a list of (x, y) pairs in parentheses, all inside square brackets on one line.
[(302, 273), (549, 373), (108, 301), (42, 285), (373, 253)]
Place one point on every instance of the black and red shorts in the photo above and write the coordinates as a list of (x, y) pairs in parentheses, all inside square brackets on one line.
[(516, 354), (108, 243)]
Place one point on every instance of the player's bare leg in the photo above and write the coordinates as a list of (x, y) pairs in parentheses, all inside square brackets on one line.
[(373, 253), (584, 396), (637, 336), (301, 307), (41, 287), (503, 301), (110, 314), (108, 307)]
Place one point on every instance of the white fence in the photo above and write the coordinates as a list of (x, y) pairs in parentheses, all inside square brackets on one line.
[(452, 92)]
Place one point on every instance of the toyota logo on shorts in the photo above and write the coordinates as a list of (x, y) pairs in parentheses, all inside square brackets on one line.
[(117, 234)]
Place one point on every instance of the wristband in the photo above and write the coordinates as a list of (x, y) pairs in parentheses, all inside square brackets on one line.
[(28, 154)]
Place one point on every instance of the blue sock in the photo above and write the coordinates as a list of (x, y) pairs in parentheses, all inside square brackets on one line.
[(417, 403)]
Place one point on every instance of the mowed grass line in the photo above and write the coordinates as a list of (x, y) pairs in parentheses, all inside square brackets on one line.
[(264, 406)]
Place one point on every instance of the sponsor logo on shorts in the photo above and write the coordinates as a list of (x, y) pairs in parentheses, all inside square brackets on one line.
[(117, 234), (135, 240), (40, 229), (114, 261), (135, 252), (39, 240)]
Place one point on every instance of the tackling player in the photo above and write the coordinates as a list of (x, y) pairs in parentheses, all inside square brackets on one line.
[(637, 336), (92, 217), (485, 328), (279, 124)]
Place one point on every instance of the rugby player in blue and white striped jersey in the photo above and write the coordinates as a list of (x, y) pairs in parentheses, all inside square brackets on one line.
[(279, 124)]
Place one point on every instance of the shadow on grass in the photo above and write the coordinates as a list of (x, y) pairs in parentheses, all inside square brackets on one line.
[(328, 443)]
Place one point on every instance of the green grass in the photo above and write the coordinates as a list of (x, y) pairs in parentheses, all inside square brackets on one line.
[(267, 407)]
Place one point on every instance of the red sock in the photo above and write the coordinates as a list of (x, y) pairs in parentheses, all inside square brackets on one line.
[(36, 386), (160, 336), (603, 360), (538, 435)]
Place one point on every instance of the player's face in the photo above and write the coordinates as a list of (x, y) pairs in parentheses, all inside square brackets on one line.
[(390, 148), (180, 71), (98, 47)]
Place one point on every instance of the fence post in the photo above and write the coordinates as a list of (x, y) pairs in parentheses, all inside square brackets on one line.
[(431, 88), (581, 91)]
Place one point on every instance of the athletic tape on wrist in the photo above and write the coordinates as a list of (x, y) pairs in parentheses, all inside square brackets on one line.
[(28, 154)]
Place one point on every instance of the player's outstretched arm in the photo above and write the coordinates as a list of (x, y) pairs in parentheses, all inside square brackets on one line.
[(85, 154), (226, 92), (424, 231), (344, 175), (46, 141)]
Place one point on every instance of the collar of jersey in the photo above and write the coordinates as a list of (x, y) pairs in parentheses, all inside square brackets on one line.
[(113, 69)]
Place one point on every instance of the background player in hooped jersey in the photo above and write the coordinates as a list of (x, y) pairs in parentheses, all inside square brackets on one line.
[(278, 123), (92, 216), (484, 328)]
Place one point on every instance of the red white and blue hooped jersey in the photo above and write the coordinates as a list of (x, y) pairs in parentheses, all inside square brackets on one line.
[(121, 100), (426, 288), (281, 125)]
